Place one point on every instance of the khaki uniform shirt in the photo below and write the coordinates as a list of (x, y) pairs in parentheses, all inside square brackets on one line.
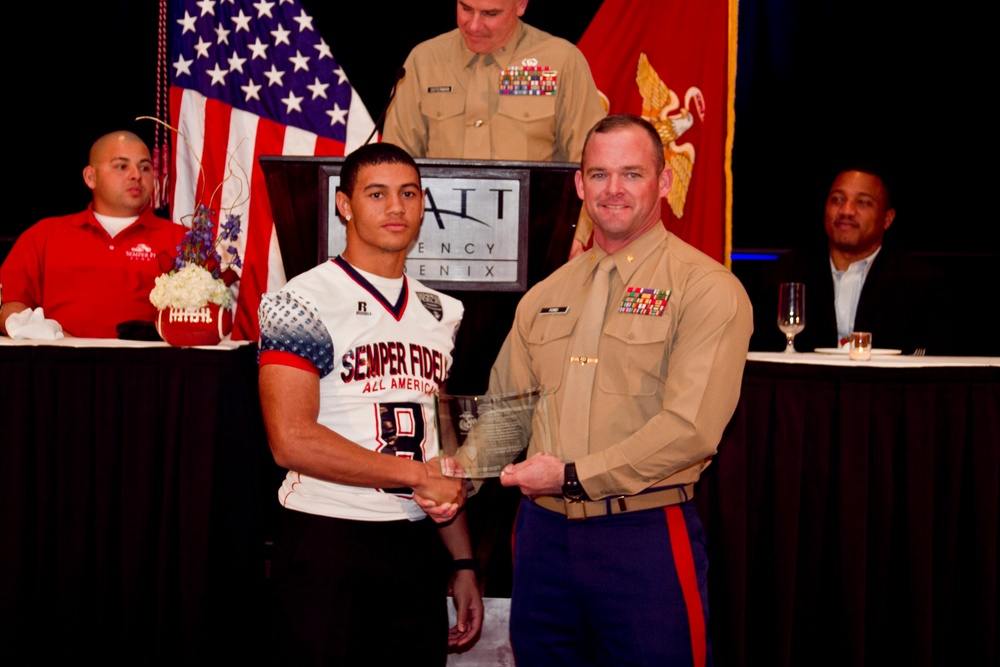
[(449, 103), (666, 385)]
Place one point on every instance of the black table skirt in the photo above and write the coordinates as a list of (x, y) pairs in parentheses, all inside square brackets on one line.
[(851, 512), (130, 487), (852, 517)]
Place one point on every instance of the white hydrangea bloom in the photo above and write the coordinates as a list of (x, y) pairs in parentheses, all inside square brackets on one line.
[(190, 288)]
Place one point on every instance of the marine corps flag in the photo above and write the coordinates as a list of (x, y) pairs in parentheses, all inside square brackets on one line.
[(250, 79), (674, 63)]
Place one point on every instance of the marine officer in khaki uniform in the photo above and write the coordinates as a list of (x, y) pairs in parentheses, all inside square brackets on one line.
[(494, 88), (640, 343)]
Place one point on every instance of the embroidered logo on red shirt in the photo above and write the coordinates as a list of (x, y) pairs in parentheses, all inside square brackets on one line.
[(141, 252)]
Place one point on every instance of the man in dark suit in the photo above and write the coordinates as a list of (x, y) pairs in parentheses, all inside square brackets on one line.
[(857, 283)]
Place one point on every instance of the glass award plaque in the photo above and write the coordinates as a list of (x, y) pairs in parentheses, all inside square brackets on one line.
[(481, 434)]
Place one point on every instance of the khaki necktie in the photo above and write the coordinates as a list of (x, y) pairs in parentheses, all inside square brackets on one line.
[(574, 413), (477, 108)]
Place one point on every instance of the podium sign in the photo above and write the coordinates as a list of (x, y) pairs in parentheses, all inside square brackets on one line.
[(475, 230)]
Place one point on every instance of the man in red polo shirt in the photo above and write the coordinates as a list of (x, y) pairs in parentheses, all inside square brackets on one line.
[(92, 270)]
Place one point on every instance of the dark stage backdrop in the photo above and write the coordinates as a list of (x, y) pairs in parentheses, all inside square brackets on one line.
[(816, 83)]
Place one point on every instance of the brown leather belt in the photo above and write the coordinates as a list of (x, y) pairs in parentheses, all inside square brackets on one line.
[(585, 509)]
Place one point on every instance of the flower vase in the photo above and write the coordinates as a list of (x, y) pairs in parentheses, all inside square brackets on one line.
[(186, 328)]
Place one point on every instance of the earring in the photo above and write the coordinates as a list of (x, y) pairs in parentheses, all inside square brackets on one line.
[(347, 217)]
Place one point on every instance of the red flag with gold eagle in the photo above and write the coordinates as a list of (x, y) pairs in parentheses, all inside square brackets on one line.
[(674, 63)]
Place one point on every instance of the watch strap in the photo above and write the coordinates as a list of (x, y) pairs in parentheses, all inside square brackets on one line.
[(572, 488), (465, 564)]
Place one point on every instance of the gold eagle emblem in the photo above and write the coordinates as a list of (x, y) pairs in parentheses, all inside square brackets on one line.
[(662, 108)]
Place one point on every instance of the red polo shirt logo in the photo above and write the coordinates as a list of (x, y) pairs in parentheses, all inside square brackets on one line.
[(141, 252)]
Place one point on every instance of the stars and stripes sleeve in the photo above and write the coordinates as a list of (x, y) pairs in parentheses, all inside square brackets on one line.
[(292, 334)]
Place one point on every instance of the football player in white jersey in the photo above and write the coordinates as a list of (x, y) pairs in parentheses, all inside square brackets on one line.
[(352, 353)]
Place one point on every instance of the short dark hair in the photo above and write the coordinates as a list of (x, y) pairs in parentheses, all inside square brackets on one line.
[(623, 121), (369, 155), (872, 169)]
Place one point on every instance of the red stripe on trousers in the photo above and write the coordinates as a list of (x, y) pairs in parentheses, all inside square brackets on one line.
[(680, 544)]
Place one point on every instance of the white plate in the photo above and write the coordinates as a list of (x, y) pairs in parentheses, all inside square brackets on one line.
[(844, 351)]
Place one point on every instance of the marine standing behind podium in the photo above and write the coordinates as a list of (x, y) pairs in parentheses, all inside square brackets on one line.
[(494, 88), (352, 353), (609, 554)]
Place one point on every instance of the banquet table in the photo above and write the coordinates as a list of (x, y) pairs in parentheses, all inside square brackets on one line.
[(131, 493), (851, 513)]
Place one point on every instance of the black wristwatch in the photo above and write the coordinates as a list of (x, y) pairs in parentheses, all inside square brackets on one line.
[(572, 489), (465, 564)]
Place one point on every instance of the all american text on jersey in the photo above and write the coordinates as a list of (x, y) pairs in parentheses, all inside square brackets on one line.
[(427, 368)]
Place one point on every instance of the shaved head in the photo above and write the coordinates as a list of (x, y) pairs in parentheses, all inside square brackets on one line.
[(120, 174), (109, 140)]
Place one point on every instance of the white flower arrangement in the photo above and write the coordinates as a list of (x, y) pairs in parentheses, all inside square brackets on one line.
[(203, 270), (190, 288), (197, 277)]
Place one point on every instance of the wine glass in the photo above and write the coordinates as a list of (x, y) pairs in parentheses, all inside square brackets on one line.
[(791, 312)]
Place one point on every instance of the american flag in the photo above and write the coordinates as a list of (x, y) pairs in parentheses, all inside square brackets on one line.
[(250, 79)]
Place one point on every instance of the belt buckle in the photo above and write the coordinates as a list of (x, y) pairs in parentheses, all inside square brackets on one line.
[(576, 510)]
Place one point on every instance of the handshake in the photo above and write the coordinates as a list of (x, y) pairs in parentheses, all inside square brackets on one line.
[(444, 490)]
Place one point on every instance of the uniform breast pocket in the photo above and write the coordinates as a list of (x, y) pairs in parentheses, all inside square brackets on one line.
[(634, 352), (548, 344), (444, 114), (525, 127)]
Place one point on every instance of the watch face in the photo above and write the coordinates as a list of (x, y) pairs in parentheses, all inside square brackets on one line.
[(572, 489)]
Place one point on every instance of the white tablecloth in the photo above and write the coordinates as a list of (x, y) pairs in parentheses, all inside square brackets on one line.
[(225, 344), (881, 361)]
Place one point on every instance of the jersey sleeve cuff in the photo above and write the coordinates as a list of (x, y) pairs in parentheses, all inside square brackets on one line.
[(280, 358)]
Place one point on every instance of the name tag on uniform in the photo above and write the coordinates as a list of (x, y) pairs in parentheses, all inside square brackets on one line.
[(644, 301), (439, 89), (554, 310)]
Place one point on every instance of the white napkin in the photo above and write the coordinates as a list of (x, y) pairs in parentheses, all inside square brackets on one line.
[(32, 324)]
